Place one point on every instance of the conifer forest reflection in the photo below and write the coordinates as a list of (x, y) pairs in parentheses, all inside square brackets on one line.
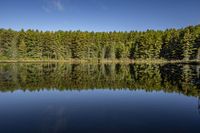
[(179, 78)]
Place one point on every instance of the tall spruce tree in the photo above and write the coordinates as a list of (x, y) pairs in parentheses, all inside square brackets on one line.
[(187, 44)]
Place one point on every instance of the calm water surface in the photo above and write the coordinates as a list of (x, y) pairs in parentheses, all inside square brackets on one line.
[(98, 98)]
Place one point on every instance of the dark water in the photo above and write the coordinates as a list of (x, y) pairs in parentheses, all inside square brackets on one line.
[(99, 98)]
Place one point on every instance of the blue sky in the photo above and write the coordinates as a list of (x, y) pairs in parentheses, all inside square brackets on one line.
[(98, 15)]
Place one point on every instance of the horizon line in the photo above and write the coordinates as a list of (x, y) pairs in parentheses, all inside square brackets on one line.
[(75, 30)]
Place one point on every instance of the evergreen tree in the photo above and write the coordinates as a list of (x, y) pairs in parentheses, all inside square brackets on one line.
[(171, 44), (187, 44), (22, 49)]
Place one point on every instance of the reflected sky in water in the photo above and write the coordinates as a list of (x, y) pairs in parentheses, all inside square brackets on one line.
[(97, 111)]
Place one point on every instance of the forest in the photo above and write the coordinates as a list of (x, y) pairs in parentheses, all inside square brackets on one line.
[(169, 44)]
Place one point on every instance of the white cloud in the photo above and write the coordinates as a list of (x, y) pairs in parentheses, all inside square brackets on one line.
[(58, 5), (46, 9), (52, 5)]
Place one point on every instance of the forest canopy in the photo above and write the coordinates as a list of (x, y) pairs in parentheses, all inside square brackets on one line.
[(170, 44)]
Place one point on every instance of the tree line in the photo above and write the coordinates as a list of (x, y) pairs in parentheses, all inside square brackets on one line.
[(178, 78), (170, 44)]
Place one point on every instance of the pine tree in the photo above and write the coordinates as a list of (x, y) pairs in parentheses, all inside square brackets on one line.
[(22, 49), (187, 45), (171, 44)]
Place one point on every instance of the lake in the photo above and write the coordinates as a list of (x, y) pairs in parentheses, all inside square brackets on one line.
[(99, 98)]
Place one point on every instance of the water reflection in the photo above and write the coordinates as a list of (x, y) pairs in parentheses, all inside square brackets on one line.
[(96, 111), (199, 105), (179, 78), (96, 98)]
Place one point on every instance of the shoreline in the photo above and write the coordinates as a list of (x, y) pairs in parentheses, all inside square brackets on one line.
[(105, 61)]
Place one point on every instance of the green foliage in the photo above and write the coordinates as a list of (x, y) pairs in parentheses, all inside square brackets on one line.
[(22, 49), (171, 44), (187, 44)]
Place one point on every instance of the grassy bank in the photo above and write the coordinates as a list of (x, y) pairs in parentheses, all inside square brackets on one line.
[(102, 61)]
